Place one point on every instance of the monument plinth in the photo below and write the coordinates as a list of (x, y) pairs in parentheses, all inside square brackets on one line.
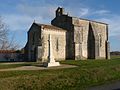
[(51, 61)]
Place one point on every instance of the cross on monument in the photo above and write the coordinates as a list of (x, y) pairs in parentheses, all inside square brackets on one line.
[(51, 60)]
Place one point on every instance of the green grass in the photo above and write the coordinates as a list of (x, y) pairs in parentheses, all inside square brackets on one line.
[(8, 66), (87, 74)]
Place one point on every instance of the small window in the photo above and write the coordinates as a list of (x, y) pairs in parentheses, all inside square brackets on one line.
[(82, 34), (57, 45), (33, 39), (100, 40)]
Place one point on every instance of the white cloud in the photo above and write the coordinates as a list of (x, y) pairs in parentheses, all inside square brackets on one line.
[(43, 11), (101, 12), (83, 12), (88, 12), (114, 24), (78, 12), (27, 14), (44, 14), (17, 22), (102, 15)]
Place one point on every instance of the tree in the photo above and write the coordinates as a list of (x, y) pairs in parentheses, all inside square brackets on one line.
[(3, 34), (5, 43)]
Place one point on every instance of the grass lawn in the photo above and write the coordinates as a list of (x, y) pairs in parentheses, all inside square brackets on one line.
[(15, 65), (87, 74)]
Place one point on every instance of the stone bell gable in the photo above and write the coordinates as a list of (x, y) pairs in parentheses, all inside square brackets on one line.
[(72, 38), (86, 39)]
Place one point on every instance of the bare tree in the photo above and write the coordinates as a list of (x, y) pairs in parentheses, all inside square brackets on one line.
[(3, 34), (5, 43), (12, 44)]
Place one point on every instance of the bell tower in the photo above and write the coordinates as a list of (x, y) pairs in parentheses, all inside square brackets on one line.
[(59, 11)]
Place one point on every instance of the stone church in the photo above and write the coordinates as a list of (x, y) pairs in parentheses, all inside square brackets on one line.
[(72, 38)]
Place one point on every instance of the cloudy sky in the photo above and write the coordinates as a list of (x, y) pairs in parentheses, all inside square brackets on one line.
[(20, 14)]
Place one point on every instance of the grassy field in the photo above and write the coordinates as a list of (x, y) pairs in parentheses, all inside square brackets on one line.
[(6, 66), (87, 74)]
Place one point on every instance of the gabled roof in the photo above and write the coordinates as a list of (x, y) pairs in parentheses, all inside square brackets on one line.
[(50, 27)]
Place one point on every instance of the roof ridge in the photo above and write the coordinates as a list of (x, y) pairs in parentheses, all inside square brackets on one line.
[(89, 20), (50, 26)]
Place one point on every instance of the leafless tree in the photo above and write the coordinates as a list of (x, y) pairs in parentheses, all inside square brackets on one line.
[(5, 43)]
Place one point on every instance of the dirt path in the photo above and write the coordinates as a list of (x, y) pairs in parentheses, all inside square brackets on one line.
[(111, 86), (38, 67)]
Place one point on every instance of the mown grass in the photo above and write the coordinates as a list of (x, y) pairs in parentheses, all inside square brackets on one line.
[(87, 74), (9, 65)]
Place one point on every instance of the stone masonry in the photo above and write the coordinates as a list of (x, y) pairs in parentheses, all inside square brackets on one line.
[(72, 38)]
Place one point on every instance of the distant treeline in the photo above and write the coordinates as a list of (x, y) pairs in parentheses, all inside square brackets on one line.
[(115, 53)]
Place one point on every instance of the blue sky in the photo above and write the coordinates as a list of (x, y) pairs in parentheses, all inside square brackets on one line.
[(20, 14)]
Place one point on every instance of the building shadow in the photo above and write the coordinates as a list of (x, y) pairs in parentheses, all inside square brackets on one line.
[(91, 43)]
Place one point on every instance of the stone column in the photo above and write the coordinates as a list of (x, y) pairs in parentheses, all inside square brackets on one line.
[(107, 50), (51, 61), (50, 56)]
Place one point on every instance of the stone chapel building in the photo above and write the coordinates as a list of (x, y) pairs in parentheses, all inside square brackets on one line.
[(72, 38)]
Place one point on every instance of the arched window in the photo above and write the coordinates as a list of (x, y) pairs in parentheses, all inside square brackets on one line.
[(100, 40), (57, 45), (82, 34), (33, 38)]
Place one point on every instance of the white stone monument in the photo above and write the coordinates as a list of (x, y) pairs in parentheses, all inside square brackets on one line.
[(51, 61)]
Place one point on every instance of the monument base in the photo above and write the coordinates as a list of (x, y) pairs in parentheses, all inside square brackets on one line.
[(51, 64)]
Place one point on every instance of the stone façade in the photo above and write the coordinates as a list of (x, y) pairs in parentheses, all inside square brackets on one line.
[(72, 38)]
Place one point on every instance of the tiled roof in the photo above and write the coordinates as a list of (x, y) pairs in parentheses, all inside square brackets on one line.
[(50, 27), (7, 51)]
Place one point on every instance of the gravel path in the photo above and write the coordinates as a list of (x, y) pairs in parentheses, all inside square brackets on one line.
[(38, 67), (111, 86)]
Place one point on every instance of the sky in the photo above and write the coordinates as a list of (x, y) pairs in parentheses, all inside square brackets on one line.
[(20, 14)]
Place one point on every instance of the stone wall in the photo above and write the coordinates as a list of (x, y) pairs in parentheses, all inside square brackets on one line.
[(72, 38), (101, 36), (80, 37), (58, 41), (65, 22), (77, 37), (34, 36), (38, 43)]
